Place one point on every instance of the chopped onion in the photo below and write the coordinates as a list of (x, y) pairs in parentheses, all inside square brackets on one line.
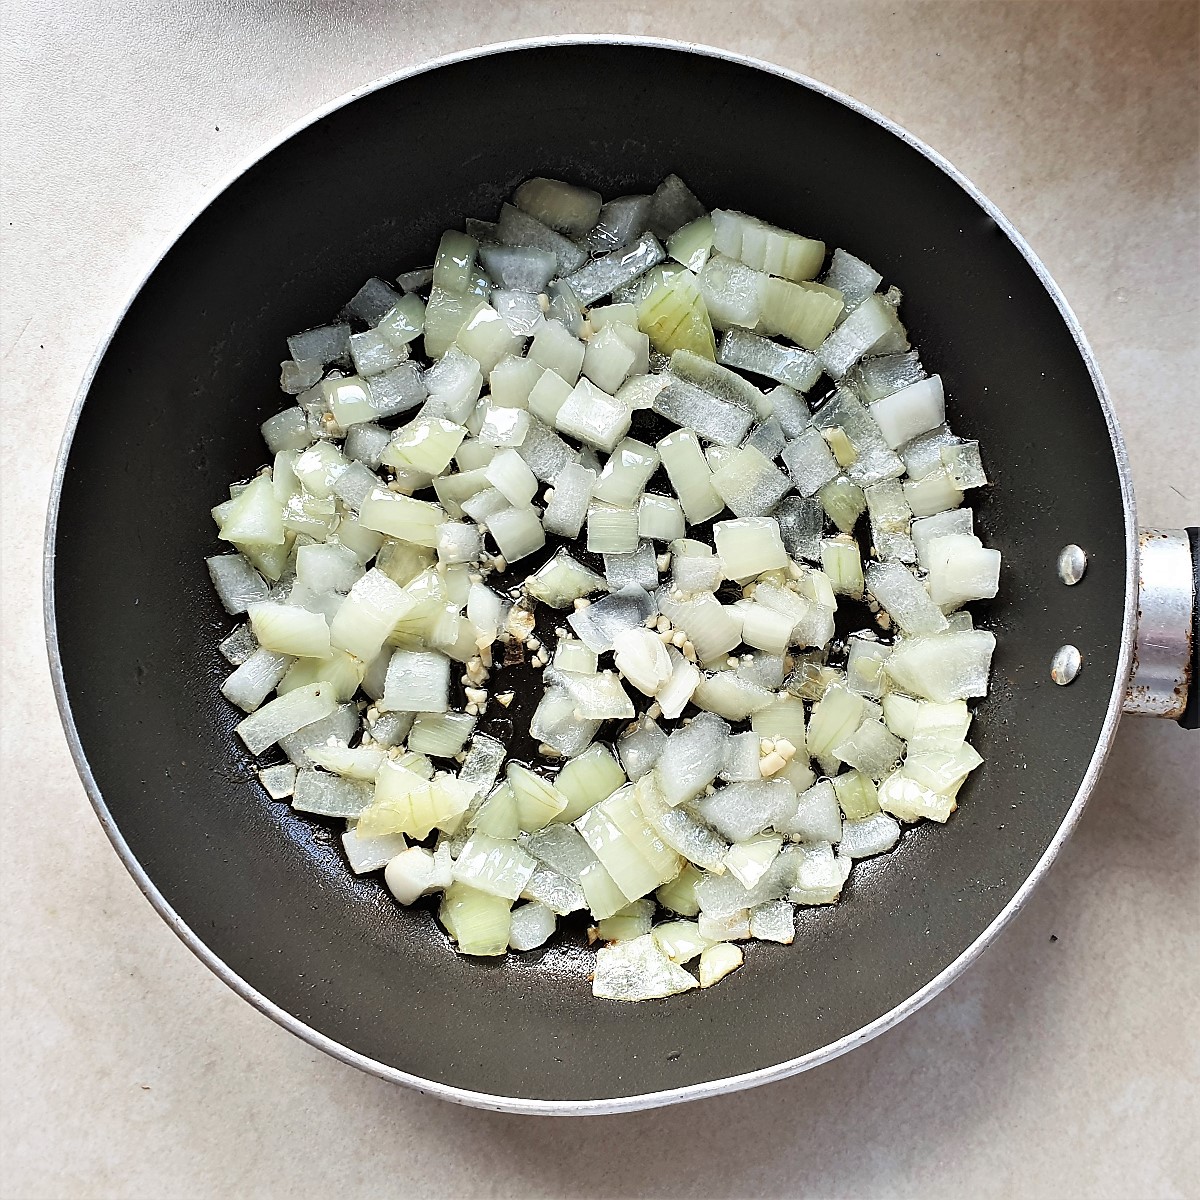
[(523, 403)]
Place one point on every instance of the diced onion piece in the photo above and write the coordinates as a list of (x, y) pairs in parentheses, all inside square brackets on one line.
[(905, 598), (749, 546), (531, 926), (717, 961), (912, 410), (417, 681), (638, 970), (642, 658), (517, 532), (766, 247), (691, 759), (627, 923), (805, 313), (416, 872), (689, 475), (875, 834), (673, 314), (479, 922), (285, 715), (945, 667), (562, 206), (750, 483), (562, 580)]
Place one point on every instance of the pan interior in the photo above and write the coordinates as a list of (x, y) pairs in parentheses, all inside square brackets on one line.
[(171, 418)]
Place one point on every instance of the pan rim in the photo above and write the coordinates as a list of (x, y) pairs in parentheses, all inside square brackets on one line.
[(709, 1088)]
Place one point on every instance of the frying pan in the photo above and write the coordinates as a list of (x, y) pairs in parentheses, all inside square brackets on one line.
[(167, 418)]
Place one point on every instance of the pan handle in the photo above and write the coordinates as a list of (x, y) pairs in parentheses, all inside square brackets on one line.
[(1166, 679)]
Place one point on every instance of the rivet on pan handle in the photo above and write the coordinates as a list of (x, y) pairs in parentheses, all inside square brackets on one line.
[(1165, 678)]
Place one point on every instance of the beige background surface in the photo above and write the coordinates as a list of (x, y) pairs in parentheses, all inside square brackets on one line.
[(1065, 1064)]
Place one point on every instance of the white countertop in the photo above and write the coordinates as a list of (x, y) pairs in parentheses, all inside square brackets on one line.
[(1065, 1063)]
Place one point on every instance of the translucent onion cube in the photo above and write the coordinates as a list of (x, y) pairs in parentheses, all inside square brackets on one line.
[(819, 875), (532, 925), (611, 530), (904, 597), (750, 484), (672, 206), (620, 222), (520, 311), (694, 567), (731, 695), (639, 566), (330, 795), (605, 274), (708, 416), (873, 321), (548, 395), (510, 475), (237, 583), (285, 715), (365, 443), (453, 385), (402, 517), (805, 313), (519, 268), (852, 277), (638, 970), (640, 746), (691, 759), (932, 493), (875, 834), (557, 350), (732, 292), (766, 247), (801, 522), (562, 206), (545, 452), (817, 817), (479, 922), (287, 629), (712, 627), (486, 337), (568, 506), (287, 430), (871, 459), (871, 749), (517, 532), (789, 410), (810, 462), (787, 364), (911, 411), (689, 475), (741, 811), (417, 681), (562, 580), (493, 866), (598, 623), (963, 465), (875, 378), (907, 800), (626, 473), (593, 416), (297, 377), (678, 829), (326, 344), (944, 667), (554, 723), (503, 426), (749, 546), (767, 438), (255, 679), (961, 569), (238, 645), (660, 518)]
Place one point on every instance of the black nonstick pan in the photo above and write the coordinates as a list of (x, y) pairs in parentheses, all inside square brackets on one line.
[(168, 417)]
